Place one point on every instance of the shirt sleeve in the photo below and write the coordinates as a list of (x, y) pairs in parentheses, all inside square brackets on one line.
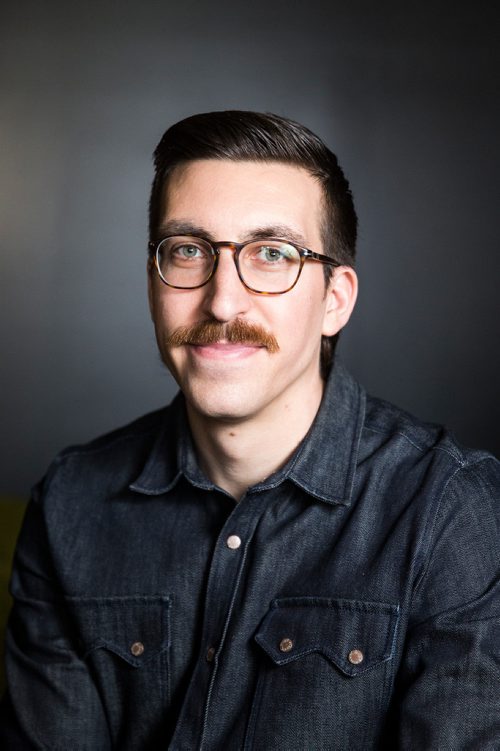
[(51, 700), (448, 690)]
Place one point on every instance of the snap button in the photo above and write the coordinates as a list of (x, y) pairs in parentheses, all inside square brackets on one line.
[(137, 648), (233, 542), (286, 645), (356, 656), (210, 654)]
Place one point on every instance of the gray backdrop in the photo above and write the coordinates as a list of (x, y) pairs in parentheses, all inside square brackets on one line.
[(405, 93)]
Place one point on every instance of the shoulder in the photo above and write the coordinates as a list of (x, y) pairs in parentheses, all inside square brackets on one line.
[(449, 493), (386, 424), (458, 488), (112, 460), (423, 461)]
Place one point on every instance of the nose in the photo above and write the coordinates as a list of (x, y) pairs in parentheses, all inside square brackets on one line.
[(226, 297)]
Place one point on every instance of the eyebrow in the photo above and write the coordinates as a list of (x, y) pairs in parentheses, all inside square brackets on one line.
[(282, 231), (181, 227), (184, 227)]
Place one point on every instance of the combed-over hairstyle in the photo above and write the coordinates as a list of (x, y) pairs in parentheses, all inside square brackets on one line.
[(253, 136)]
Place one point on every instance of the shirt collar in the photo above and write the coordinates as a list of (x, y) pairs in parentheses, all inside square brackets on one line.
[(162, 469), (323, 465)]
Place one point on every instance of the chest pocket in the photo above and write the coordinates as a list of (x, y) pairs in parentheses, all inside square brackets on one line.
[(326, 669), (134, 628), (353, 635), (124, 642)]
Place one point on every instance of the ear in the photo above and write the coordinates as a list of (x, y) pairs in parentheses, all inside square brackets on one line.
[(341, 295)]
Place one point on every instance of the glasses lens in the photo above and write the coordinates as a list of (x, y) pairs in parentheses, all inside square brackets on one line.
[(184, 261), (269, 265)]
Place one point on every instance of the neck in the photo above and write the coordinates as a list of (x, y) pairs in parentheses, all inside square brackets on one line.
[(236, 454)]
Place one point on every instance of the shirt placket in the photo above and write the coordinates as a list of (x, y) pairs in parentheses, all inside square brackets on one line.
[(223, 591)]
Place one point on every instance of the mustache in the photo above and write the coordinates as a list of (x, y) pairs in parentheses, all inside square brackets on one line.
[(211, 332)]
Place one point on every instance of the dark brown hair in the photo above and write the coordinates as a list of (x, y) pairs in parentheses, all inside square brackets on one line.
[(253, 136)]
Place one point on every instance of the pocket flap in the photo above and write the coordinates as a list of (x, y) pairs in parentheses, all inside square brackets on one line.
[(355, 635), (136, 628)]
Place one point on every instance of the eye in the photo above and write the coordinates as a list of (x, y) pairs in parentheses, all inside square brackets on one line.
[(188, 250), (273, 254), (185, 251), (269, 253)]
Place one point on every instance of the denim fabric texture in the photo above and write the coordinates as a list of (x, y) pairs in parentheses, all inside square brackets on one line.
[(360, 611)]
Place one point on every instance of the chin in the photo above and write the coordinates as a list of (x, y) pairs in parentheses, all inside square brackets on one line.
[(225, 406), (222, 412)]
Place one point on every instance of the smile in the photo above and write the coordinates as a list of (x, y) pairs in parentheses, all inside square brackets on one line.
[(225, 350)]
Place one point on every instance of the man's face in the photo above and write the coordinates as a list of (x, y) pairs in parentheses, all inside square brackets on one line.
[(234, 201)]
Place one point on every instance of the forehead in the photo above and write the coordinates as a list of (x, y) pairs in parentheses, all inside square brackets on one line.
[(236, 197)]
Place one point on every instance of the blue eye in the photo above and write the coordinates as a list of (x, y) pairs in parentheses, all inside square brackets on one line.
[(188, 251), (274, 254), (271, 254)]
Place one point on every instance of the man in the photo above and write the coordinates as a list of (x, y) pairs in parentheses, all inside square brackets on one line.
[(276, 560)]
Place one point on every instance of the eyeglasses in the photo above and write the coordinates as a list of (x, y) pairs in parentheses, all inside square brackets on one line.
[(267, 267)]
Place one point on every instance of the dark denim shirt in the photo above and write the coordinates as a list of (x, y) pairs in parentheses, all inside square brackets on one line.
[(349, 601)]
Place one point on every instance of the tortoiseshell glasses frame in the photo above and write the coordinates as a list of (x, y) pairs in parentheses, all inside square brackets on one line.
[(294, 253)]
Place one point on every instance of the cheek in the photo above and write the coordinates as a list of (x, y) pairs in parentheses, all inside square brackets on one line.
[(298, 331), (171, 310)]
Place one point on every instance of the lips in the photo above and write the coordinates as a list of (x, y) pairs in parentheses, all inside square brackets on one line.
[(225, 350)]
